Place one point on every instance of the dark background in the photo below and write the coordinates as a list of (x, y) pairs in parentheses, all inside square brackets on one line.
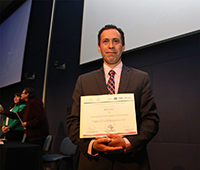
[(173, 67)]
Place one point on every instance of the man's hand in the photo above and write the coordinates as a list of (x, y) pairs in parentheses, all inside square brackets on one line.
[(103, 144), (117, 141)]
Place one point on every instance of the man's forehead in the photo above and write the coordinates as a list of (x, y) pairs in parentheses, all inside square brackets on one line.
[(110, 33), (110, 30)]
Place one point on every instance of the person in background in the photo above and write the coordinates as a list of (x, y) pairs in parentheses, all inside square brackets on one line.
[(1, 122), (113, 151), (34, 118), (12, 128)]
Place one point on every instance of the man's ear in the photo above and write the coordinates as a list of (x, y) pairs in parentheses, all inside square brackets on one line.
[(99, 49), (123, 48)]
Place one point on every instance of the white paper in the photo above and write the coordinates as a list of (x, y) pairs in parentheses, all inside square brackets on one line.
[(102, 114)]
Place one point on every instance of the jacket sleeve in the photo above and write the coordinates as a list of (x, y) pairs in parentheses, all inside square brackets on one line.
[(73, 121), (147, 117), (15, 123)]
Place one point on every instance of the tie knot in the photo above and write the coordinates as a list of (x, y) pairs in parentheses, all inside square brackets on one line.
[(111, 73)]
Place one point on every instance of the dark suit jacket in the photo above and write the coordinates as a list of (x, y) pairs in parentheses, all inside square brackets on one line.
[(132, 81)]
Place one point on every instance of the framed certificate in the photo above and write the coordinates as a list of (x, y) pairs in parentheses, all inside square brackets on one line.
[(102, 114)]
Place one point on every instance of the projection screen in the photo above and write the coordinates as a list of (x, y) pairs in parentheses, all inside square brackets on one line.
[(144, 22), (13, 33)]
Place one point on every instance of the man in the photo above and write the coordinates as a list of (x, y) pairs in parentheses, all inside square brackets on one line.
[(115, 152), (34, 117)]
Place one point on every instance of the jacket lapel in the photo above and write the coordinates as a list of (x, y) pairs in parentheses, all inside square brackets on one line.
[(100, 78), (124, 80)]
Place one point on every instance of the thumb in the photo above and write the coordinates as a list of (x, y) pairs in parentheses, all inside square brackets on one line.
[(109, 135)]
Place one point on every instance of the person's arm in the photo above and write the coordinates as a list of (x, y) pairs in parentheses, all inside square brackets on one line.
[(147, 118), (14, 123), (8, 114), (73, 120)]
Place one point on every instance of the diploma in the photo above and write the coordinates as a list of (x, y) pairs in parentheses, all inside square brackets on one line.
[(20, 119), (102, 114)]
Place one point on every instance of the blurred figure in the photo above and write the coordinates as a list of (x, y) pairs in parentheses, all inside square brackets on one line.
[(1, 122), (12, 128), (34, 118)]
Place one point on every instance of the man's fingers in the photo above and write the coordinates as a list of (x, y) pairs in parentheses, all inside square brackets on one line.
[(103, 140)]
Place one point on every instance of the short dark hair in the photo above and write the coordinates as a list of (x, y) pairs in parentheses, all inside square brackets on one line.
[(110, 26), (31, 92)]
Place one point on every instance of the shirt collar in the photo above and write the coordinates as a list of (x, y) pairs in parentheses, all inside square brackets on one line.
[(117, 69)]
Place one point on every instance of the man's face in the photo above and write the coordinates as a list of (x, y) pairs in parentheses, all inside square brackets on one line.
[(111, 47), (24, 96)]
